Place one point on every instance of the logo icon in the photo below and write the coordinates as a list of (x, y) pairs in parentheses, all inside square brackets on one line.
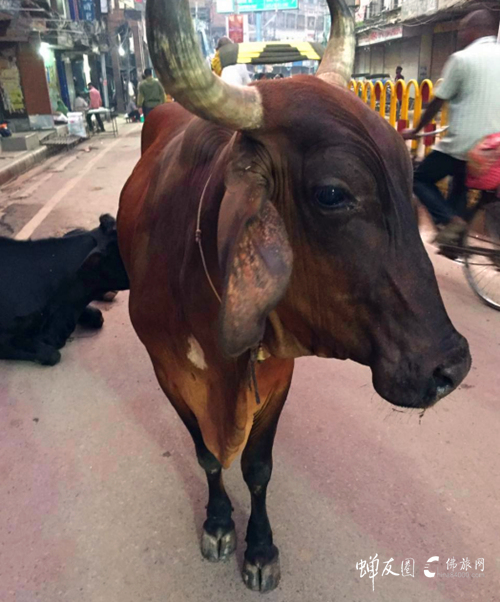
[(408, 567), (428, 573)]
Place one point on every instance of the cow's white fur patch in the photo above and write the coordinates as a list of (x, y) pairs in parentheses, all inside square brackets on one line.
[(195, 354)]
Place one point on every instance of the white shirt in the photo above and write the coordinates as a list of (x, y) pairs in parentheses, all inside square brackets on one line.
[(237, 75), (471, 83), (80, 104)]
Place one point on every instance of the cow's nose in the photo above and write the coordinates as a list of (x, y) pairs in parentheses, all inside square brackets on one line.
[(443, 384), (450, 374)]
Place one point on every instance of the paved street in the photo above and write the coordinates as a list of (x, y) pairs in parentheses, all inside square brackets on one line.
[(102, 499)]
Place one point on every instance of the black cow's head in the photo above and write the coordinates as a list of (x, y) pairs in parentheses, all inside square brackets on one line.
[(103, 269), (317, 240)]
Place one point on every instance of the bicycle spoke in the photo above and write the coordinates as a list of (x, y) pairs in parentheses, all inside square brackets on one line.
[(478, 280), (481, 252)]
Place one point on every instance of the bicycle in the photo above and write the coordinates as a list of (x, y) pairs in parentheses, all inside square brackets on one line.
[(479, 248)]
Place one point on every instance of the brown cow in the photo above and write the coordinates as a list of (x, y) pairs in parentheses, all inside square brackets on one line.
[(298, 196)]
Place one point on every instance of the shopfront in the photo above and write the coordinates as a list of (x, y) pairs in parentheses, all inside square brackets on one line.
[(12, 105)]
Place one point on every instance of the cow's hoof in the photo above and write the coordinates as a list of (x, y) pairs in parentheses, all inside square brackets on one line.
[(49, 357), (262, 573), (220, 546), (109, 296), (91, 317)]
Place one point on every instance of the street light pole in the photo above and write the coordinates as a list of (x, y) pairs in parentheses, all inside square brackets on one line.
[(104, 76), (127, 75), (258, 26)]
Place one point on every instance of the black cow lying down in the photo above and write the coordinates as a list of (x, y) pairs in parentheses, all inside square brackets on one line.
[(47, 284)]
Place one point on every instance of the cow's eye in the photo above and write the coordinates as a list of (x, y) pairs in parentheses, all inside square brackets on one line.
[(333, 197)]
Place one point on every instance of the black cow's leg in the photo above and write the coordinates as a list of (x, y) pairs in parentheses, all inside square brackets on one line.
[(28, 350), (261, 570), (91, 317), (218, 540)]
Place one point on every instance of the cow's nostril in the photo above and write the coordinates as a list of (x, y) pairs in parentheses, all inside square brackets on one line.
[(443, 383)]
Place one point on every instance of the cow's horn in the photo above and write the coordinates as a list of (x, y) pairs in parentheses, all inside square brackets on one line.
[(338, 60), (188, 77)]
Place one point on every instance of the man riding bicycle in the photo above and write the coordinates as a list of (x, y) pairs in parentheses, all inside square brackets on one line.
[(471, 84)]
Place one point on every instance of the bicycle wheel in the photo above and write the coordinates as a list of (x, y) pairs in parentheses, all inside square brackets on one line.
[(482, 256)]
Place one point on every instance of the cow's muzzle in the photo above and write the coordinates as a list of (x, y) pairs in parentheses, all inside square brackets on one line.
[(419, 381)]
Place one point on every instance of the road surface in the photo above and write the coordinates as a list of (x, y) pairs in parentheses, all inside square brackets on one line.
[(102, 499)]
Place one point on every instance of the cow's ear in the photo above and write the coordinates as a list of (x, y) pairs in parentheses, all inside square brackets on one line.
[(256, 261), (107, 223), (91, 262)]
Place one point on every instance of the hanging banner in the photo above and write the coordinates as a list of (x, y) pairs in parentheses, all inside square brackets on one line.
[(252, 6), (235, 28), (87, 12), (104, 7), (380, 35)]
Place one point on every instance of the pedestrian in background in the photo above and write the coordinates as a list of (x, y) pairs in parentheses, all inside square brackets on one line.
[(131, 90), (236, 75), (399, 92), (471, 85), (94, 103), (61, 107), (151, 93), (132, 111), (80, 105), (216, 64)]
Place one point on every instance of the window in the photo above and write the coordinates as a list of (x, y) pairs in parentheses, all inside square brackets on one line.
[(60, 7), (374, 9)]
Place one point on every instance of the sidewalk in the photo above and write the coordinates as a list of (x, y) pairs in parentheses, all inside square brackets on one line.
[(16, 163), (13, 164)]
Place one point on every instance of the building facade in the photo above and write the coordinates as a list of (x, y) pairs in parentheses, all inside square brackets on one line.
[(50, 51), (418, 35), (306, 23)]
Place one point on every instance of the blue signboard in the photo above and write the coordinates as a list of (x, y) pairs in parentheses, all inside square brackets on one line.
[(87, 12), (252, 6)]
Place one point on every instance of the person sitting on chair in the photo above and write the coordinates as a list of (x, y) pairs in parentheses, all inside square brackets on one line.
[(132, 111)]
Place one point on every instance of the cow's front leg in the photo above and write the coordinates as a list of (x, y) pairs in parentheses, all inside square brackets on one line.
[(218, 540), (261, 569)]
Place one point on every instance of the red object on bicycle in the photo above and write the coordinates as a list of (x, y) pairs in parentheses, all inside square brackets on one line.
[(429, 140), (402, 124), (483, 167)]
